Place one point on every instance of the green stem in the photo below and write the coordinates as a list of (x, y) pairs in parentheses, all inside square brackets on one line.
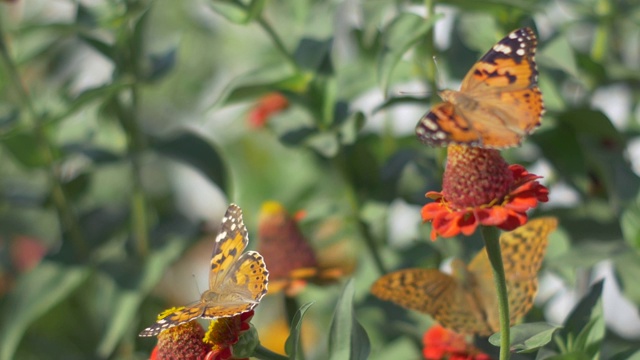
[(491, 237), (291, 307), (352, 199), (278, 43), (431, 71), (135, 144), (66, 216), (263, 353)]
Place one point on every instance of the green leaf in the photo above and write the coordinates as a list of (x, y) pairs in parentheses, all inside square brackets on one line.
[(99, 45), (560, 146), (237, 12), (348, 131), (325, 143), (248, 87), (631, 354), (589, 339), (587, 321), (403, 32), (161, 64), (35, 293), (137, 282), (479, 31), (194, 150), (630, 224), (292, 345), (25, 148), (528, 337), (96, 154), (574, 355), (315, 55), (559, 54), (297, 136), (9, 119), (591, 122), (348, 339), (627, 267), (88, 96)]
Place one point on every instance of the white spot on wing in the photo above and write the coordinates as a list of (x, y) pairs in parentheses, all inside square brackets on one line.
[(502, 48)]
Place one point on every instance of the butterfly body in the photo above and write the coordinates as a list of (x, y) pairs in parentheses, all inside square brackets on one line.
[(499, 101), (237, 279), (466, 300)]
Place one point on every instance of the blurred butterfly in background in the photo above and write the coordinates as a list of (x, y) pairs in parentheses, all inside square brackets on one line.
[(499, 101), (237, 280), (466, 302)]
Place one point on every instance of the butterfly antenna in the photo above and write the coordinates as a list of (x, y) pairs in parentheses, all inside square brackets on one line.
[(196, 282)]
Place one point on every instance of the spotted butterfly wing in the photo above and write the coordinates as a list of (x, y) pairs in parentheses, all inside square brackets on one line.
[(466, 301), (447, 299), (237, 280), (499, 101), (522, 253)]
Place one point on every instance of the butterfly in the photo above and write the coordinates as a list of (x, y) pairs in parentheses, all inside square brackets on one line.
[(466, 302), (237, 280), (499, 101)]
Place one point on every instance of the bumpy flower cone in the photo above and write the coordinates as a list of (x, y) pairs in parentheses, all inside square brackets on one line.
[(291, 259), (188, 341), (480, 188)]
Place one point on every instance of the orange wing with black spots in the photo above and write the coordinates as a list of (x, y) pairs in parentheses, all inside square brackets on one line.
[(499, 101), (237, 280), (466, 302)]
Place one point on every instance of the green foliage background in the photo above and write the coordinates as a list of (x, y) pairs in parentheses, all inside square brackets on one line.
[(90, 170)]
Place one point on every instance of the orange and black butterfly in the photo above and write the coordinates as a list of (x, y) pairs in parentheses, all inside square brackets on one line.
[(499, 101), (237, 280)]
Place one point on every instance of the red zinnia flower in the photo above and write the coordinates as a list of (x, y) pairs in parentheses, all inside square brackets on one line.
[(224, 333), (267, 105), (181, 342), (188, 341), (440, 343), (481, 188)]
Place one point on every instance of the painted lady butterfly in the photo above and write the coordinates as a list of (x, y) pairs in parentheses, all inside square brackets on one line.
[(237, 280), (498, 103)]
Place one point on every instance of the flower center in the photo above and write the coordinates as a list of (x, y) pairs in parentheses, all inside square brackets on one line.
[(475, 176)]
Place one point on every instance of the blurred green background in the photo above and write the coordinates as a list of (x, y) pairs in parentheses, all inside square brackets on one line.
[(125, 133)]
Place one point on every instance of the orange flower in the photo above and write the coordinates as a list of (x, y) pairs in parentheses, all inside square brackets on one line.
[(440, 343), (224, 333), (188, 341), (291, 259), (267, 105), (181, 342), (481, 188)]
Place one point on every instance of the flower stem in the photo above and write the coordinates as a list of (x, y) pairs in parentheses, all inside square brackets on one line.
[(263, 353), (491, 237), (277, 42), (66, 216), (354, 202)]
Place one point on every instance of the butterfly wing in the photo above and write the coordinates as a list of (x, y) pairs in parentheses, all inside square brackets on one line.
[(242, 289), (180, 316), (499, 120), (230, 242), (435, 293), (509, 66), (443, 125), (504, 83), (499, 101), (522, 252)]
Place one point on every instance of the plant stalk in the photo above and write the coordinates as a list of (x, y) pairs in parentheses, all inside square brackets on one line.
[(491, 236)]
